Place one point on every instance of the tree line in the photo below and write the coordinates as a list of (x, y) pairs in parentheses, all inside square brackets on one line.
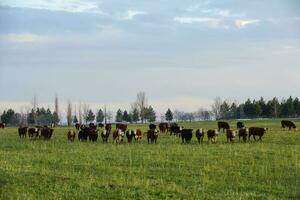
[(141, 112)]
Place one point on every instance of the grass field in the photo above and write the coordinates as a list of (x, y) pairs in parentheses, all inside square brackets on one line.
[(58, 169)]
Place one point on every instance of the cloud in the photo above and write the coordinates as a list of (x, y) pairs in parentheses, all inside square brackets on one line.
[(130, 14), (22, 37), (244, 23), (217, 12), (208, 21), (75, 6)]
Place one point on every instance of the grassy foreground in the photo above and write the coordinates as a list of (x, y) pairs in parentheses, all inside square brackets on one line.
[(58, 169)]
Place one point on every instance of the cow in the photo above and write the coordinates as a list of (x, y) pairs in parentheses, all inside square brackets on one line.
[(212, 135), (105, 136), (230, 135), (255, 131), (288, 124), (199, 135), (175, 129), (223, 125), (2, 125), (137, 134), (83, 133), (130, 134), (118, 136), (92, 126), (22, 132), (71, 135), (186, 135), (243, 133), (46, 133), (100, 125), (122, 127), (77, 126), (163, 127), (152, 126), (108, 127), (93, 134), (240, 125), (33, 133), (152, 136)]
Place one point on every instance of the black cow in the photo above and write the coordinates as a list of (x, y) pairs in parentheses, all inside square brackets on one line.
[(175, 129), (288, 124), (212, 135), (33, 132), (240, 125), (105, 136), (223, 125), (186, 135), (199, 135), (83, 133), (152, 136), (152, 126), (108, 127), (2, 125), (130, 134), (93, 135), (46, 133), (243, 133), (254, 131), (22, 132)]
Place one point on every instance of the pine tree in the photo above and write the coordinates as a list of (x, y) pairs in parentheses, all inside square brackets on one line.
[(169, 115), (100, 116), (119, 116), (135, 115), (90, 116), (126, 116), (150, 114), (75, 120)]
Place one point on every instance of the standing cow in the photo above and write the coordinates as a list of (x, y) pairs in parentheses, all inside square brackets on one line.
[(288, 124), (2, 125), (77, 126), (163, 127), (71, 135), (254, 131), (199, 135), (130, 134), (186, 135), (152, 136), (223, 125), (240, 125), (22, 132), (212, 135), (105, 136), (243, 133), (230, 135)]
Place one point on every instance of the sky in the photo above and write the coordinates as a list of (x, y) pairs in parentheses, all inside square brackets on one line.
[(181, 53)]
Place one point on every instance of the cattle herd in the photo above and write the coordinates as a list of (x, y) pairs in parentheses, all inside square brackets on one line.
[(90, 132)]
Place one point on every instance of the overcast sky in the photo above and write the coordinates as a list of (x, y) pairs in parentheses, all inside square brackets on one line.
[(181, 53)]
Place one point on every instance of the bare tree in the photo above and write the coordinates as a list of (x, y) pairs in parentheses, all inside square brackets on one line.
[(80, 114), (69, 113), (141, 103), (56, 111), (34, 108), (216, 107), (109, 116), (85, 110)]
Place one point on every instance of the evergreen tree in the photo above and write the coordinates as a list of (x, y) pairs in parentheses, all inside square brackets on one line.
[(249, 109), (75, 120), (150, 114), (225, 111), (169, 115), (90, 116), (100, 116), (296, 105), (119, 116), (233, 111), (258, 110), (126, 116), (135, 115), (7, 116)]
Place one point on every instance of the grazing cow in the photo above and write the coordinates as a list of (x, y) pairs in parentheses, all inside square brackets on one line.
[(223, 125), (46, 133), (93, 134), (212, 135), (108, 127), (138, 134), (100, 125), (22, 132), (175, 129), (243, 133), (254, 131), (152, 126), (77, 126), (130, 134), (288, 124), (33, 132), (240, 125), (105, 136), (230, 135), (118, 136), (186, 135), (152, 136), (199, 135), (122, 127), (71, 135), (2, 125), (163, 127)]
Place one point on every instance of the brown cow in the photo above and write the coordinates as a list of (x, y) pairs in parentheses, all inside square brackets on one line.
[(118, 136), (22, 132), (152, 136), (163, 127), (2, 125), (254, 131), (108, 127), (71, 135), (212, 135), (230, 135), (137, 134), (122, 127), (243, 133), (77, 126), (46, 133)]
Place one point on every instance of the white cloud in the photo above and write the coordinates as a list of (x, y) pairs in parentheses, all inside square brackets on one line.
[(23, 37), (130, 14), (217, 12), (76, 6), (210, 22), (244, 23)]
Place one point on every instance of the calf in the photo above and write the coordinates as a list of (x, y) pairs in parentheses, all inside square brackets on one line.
[(71, 135), (230, 135), (240, 125), (152, 136), (254, 131), (130, 134), (22, 132), (288, 124), (199, 135), (223, 125), (212, 135), (186, 135), (105, 136), (138, 134), (243, 133)]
